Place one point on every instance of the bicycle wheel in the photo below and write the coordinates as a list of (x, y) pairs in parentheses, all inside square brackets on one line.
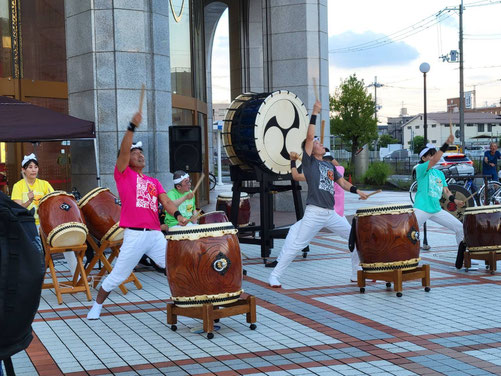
[(212, 181), (412, 191), (462, 194), (492, 188)]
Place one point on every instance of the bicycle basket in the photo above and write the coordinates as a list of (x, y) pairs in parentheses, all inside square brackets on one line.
[(451, 171)]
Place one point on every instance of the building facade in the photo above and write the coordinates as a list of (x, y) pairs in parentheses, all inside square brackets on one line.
[(90, 58)]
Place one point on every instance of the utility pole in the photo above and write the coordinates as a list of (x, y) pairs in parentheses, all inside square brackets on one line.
[(461, 79), (376, 85)]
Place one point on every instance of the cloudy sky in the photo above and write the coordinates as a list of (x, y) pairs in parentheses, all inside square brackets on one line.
[(418, 35)]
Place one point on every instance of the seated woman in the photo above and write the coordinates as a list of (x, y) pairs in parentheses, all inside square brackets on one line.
[(28, 191)]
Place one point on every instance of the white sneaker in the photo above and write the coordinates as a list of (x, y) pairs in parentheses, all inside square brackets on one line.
[(274, 282), (95, 311)]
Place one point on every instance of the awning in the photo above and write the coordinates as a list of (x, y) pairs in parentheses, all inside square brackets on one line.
[(26, 122)]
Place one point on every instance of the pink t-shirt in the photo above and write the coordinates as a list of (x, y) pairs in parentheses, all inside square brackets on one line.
[(339, 194), (139, 196)]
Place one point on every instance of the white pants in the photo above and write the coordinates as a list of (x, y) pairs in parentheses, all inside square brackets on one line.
[(443, 218), (301, 234), (135, 245)]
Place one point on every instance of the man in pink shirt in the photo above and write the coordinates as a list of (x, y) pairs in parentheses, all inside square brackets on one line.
[(139, 216)]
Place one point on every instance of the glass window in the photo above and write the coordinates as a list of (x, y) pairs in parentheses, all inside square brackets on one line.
[(417, 126), (481, 127), (180, 47), (44, 40), (6, 42), (489, 127), (182, 117)]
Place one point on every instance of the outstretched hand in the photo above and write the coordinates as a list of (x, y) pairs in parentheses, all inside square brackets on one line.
[(136, 119)]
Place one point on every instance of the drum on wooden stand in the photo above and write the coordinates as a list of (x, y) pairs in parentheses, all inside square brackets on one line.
[(482, 228), (101, 210), (261, 129), (213, 217), (224, 204), (387, 238), (61, 220), (204, 264)]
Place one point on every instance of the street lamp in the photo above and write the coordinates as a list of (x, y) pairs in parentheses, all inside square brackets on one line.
[(425, 68)]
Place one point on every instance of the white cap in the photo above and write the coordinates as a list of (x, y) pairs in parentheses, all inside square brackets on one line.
[(426, 149)]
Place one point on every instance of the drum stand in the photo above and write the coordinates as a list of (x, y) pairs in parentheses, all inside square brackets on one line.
[(397, 277), (78, 283), (490, 258), (210, 313), (267, 230), (99, 256)]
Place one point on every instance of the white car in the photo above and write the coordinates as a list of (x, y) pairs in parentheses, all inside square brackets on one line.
[(452, 164)]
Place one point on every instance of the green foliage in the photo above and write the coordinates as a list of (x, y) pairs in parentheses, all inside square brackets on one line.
[(417, 144), (377, 173), (347, 168), (353, 119), (386, 139)]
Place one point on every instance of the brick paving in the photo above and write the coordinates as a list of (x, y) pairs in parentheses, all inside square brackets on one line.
[(318, 323)]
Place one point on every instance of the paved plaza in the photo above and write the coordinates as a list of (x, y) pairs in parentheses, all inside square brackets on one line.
[(318, 323)]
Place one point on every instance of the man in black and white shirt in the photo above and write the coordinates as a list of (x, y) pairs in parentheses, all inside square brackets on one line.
[(320, 176)]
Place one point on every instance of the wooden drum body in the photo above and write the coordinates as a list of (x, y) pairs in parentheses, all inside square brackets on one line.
[(213, 217), (204, 264), (61, 220), (261, 129), (387, 238), (224, 203), (101, 210), (482, 228)]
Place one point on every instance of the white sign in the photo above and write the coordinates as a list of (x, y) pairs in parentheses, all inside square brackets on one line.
[(467, 99)]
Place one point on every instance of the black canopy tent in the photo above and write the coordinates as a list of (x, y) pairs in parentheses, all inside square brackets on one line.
[(26, 122)]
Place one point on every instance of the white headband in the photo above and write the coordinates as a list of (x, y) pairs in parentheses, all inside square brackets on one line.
[(179, 180), (137, 145), (426, 149), (28, 158)]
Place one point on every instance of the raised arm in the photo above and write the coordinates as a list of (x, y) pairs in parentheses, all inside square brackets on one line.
[(180, 200), (124, 155), (310, 135), (296, 175), (434, 160)]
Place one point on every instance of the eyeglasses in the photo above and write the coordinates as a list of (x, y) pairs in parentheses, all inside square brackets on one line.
[(186, 181)]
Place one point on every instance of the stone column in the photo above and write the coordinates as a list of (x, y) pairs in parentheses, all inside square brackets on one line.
[(113, 47)]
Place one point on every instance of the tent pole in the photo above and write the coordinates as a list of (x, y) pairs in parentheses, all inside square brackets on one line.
[(96, 153)]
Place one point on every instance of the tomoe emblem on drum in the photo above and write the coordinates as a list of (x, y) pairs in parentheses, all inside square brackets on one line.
[(413, 235), (221, 264), (274, 123), (65, 206)]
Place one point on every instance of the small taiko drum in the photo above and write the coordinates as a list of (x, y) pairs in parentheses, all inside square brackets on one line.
[(224, 204), (387, 238), (213, 217), (101, 210), (482, 228), (204, 264), (61, 220)]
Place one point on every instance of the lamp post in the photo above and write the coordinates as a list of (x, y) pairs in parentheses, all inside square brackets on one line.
[(425, 68)]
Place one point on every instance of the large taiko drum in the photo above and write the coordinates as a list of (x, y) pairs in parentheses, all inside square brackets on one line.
[(101, 210), (204, 264), (213, 217), (482, 228), (261, 130), (387, 238), (224, 204), (61, 220)]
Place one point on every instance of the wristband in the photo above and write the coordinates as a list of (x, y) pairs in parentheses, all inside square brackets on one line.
[(444, 147), (176, 214), (452, 198), (313, 119), (131, 127), (353, 189), (293, 164)]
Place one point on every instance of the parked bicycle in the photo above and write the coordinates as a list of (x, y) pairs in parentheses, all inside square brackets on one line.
[(212, 181)]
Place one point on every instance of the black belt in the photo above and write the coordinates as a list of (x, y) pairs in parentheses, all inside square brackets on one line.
[(139, 229)]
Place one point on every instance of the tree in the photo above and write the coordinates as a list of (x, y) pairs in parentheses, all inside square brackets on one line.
[(386, 139), (353, 119), (417, 144)]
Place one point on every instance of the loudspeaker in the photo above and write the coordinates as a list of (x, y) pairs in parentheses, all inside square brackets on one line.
[(185, 148)]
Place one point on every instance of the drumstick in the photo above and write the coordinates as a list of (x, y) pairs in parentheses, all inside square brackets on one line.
[(199, 182), (322, 128), (315, 88), (450, 127), (141, 99), (373, 193), (26, 181), (470, 196)]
